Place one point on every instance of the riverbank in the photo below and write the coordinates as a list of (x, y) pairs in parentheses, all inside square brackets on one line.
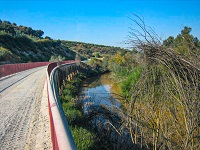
[(93, 116), (82, 132)]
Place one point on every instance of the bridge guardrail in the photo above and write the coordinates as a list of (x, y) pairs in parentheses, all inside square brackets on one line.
[(60, 133), (9, 69)]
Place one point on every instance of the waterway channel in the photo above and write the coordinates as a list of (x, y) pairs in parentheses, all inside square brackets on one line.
[(100, 104), (99, 91)]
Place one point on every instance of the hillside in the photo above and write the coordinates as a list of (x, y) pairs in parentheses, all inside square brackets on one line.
[(23, 49), (24, 44), (89, 50)]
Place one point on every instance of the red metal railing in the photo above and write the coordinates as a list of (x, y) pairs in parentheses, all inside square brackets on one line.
[(9, 69), (60, 133)]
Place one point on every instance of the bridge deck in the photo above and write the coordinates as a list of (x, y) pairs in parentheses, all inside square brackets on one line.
[(24, 120)]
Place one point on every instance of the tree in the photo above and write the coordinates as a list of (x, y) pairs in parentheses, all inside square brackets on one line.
[(96, 54), (169, 41), (56, 58), (184, 44), (119, 59), (186, 31), (7, 22), (48, 38), (39, 33), (60, 58), (14, 24), (11, 30)]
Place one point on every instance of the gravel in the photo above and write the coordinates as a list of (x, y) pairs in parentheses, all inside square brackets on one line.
[(24, 120)]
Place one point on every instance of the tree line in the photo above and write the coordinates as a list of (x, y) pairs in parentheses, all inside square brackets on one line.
[(13, 29), (89, 50)]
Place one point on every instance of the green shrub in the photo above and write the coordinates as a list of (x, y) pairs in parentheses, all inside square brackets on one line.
[(76, 82), (83, 138), (65, 98), (130, 81), (5, 54), (73, 116)]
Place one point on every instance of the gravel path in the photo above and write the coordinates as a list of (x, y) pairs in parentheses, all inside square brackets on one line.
[(24, 120)]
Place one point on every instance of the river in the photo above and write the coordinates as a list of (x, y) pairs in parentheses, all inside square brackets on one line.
[(100, 105), (99, 91)]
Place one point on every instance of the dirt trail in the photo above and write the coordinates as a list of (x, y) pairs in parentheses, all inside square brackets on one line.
[(24, 121)]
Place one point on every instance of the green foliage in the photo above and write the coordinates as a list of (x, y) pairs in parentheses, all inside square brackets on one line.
[(163, 111), (89, 50), (121, 64), (96, 54), (48, 38), (13, 29), (105, 63), (69, 92), (67, 97), (169, 41), (27, 44), (73, 116), (84, 139), (57, 58), (184, 44), (129, 83), (5, 54), (25, 49), (98, 64), (76, 82)]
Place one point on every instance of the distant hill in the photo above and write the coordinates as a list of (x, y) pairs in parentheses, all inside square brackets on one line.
[(88, 50), (24, 44)]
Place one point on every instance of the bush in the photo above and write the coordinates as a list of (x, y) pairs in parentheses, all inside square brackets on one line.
[(130, 82), (5, 54), (73, 116), (83, 138)]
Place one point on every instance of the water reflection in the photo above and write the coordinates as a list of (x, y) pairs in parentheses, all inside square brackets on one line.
[(101, 109), (97, 91)]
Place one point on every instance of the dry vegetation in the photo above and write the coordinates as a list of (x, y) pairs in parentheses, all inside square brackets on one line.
[(164, 109)]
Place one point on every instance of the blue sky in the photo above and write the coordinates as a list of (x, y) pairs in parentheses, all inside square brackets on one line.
[(101, 21)]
